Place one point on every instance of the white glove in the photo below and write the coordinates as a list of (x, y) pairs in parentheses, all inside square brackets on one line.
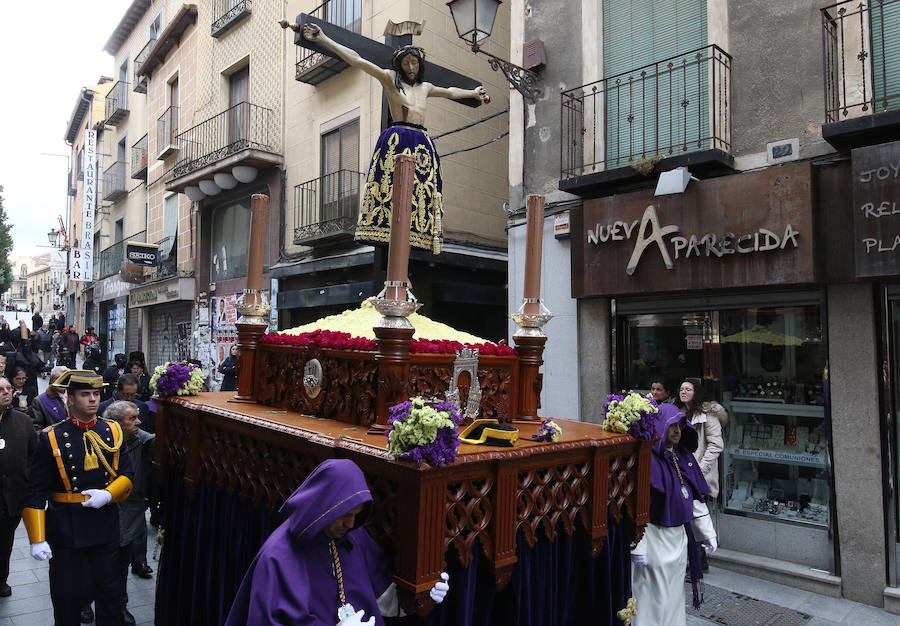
[(710, 545), (638, 559), (356, 620), (41, 551), (440, 589), (98, 498)]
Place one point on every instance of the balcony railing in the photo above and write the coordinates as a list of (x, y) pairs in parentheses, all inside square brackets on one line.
[(140, 82), (139, 159), (326, 208), (861, 46), (114, 182), (313, 67), (109, 260), (671, 107), (117, 103), (167, 133), (240, 127), (227, 13), (168, 263)]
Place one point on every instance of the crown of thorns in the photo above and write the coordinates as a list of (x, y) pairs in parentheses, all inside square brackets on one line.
[(400, 52)]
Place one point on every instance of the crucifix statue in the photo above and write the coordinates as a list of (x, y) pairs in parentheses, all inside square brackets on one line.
[(406, 92)]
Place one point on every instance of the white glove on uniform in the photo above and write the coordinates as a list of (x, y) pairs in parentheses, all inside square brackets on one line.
[(638, 559), (98, 498), (440, 589), (41, 551), (356, 620), (710, 545)]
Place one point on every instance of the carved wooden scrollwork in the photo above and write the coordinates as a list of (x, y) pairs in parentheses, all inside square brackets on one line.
[(622, 472), (429, 381), (496, 390), (382, 522), (548, 496), (469, 511), (176, 439)]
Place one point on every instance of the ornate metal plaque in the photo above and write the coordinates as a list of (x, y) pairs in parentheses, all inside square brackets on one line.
[(312, 378), (466, 361)]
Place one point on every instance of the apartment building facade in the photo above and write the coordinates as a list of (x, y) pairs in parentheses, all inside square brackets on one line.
[(770, 275)]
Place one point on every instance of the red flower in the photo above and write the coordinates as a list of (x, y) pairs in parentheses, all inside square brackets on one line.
[(344, 341)]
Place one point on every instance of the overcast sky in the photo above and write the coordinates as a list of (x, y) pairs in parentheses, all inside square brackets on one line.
[(48, 52)]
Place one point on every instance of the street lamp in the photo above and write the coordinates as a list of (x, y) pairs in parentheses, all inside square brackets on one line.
[(53, 236), (474, 21)]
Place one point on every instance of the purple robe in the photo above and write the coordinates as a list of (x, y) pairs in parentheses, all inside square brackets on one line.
[(55, 407), (291, 580)]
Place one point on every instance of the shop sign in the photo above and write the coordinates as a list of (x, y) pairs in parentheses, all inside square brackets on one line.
[(81, 260), (110, 288), (733, 231), (145, 254), (160, 293), (876, 209)]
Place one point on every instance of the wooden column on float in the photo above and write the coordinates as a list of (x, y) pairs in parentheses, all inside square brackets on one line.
[(393, 343), (531, 346), (249, 333)]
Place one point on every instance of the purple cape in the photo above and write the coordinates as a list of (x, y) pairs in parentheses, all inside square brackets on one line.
[(291, 580), (54, 406)]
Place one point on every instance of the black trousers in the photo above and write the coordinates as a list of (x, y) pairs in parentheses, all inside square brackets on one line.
[(67, 567), (8, 527)]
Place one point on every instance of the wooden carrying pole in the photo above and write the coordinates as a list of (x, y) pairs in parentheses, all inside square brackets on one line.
[(249, 334), (393, 343)]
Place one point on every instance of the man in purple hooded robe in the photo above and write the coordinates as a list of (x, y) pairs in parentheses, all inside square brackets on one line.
[(320, 567), (679, 523)]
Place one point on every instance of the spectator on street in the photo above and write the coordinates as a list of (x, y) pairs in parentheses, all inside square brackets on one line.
[(659, 390), (50, 407), (19, 441), (54, 347), (132, 511), (90, 338), (69, 347), (111, 375), (43, 343), (126, 390), (228, 371), (136, 367), (36, 321), (23, 394), (93, 359)]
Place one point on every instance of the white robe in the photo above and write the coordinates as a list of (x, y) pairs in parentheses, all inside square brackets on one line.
[(658, 586)]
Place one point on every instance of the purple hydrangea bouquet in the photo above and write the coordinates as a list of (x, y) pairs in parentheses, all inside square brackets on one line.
[(181, 379), (424, 430), (631, 413)]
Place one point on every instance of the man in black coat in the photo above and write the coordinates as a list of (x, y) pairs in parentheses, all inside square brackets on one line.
[(36, 321), (17, 442)]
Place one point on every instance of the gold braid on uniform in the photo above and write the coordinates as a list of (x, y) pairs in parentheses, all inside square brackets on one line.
[(92, 454)]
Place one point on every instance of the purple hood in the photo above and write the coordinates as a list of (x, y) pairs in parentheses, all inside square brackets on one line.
[(333, 489), (668, 507)]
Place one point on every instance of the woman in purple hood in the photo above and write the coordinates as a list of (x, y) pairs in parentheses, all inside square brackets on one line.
[(320, 567), (679, 523)]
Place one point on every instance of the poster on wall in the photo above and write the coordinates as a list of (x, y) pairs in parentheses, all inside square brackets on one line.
[(225, 312), (224, 340)]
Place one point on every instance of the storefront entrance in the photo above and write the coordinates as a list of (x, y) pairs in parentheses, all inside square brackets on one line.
[(766, 364)]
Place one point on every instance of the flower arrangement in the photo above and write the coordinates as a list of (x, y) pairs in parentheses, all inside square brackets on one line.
[(630, 413), (182, 379), (424, 430), (549, 431), (336, 340)]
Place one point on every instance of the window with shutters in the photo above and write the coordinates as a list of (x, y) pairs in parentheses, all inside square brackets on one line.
[(340, 180), (657, 93)]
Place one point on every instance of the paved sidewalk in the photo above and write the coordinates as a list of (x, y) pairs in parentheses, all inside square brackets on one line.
[(30, 604), (822, 610)]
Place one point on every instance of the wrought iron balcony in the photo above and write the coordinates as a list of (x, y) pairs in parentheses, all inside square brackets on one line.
[(240, 127), (668, 109), (109, 260), (117, 103), (140, 82), (326, 208), (114, 182), (314, 67), (167, 133), (139, 159), (861, 47), (227, 14), (168, 261)]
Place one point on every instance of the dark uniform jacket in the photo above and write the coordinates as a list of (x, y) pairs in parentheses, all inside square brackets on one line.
[(19, 444), (71, 524)]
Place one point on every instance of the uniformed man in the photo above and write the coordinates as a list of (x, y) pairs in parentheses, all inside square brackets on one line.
[(79, 465)]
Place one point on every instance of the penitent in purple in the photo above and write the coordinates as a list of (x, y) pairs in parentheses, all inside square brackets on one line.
[(293, 579)]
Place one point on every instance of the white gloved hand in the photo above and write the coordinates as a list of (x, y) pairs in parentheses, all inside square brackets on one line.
[(638, 559), (98, 498), (440, 589), (710, 545), (356, 620), (41, 551)]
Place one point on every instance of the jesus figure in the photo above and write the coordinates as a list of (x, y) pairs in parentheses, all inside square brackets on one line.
[(406, 92)]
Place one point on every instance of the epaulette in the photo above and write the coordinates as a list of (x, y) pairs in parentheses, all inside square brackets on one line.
[(47, 429)]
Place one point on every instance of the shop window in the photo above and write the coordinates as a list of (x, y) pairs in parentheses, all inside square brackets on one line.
[(230, 241)]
